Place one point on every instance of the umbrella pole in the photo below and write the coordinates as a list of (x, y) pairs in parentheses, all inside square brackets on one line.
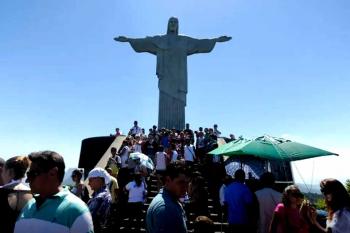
[(222, 220), (285, 169), (267, 166)]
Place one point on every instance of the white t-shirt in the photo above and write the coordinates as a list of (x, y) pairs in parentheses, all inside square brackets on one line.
[(136, 130), (217, 132), (189, 153), (200, 142), (340, 222), (136, 194), (124, 156), (160, 161), (137, 148), (174, 156), (117, 159), (268, 200)]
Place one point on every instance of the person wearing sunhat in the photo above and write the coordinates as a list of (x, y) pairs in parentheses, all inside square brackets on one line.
[(101, 200)]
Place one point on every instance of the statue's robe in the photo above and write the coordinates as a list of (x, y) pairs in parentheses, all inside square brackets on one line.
[(172, 51)]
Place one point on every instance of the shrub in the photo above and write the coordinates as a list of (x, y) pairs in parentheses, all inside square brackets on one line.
[(320, 204)]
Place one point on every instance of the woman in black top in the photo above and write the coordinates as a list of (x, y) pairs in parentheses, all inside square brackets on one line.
[(14, 195)]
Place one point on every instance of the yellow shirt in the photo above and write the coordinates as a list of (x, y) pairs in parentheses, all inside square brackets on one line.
[(113, 189)]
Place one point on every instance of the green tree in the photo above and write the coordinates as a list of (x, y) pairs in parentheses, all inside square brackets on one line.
[(320, 204), (347, 185)]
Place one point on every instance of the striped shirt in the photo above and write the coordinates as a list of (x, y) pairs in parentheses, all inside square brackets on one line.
[(99, 206), (61, 213)]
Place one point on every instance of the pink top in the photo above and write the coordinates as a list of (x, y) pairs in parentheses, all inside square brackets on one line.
[(290, 220)]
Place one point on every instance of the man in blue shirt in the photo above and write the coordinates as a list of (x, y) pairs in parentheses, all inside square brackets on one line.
[(165, 213), (238, 199), (99, 204)]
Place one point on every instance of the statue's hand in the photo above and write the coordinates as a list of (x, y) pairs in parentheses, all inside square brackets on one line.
[(121, 39), (223, 38)]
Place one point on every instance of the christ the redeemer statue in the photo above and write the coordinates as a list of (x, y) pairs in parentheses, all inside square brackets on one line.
[(172, 51)]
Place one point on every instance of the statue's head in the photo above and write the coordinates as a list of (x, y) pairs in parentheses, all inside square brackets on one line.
[(173, 26)]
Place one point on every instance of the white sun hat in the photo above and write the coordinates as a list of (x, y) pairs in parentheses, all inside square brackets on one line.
[(99, 172)]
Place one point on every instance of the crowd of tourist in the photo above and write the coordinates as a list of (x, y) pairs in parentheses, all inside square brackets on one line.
[(186, 176), (172, 140)]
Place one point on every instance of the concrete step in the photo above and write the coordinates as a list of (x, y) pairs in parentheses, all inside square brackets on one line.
[(132, 229), (217, 226), (220, 224)]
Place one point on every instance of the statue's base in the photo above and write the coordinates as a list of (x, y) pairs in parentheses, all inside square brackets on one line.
[(92, 150)]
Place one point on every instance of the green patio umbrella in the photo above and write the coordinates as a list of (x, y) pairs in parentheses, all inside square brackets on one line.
[(271, 148)]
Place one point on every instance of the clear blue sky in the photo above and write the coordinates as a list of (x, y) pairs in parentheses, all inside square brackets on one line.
[(284, 73)]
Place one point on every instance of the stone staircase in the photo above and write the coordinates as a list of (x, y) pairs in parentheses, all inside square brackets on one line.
[(215, 213)]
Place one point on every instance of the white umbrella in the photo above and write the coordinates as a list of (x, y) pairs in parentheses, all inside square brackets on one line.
[(144, 159)]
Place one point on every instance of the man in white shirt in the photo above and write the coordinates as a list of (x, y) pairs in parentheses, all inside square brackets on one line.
[(161, 163), (123, 174), (217, 133), (189, 153), (135, 130), (174, 154), (268, 198), (124, 154)]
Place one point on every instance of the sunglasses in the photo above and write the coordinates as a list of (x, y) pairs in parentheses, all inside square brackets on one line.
[(297, 195), (32, 174)]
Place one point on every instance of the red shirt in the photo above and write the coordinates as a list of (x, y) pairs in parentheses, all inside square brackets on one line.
[(290, 220)]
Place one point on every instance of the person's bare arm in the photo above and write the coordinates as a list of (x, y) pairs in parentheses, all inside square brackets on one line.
[(312, 215)]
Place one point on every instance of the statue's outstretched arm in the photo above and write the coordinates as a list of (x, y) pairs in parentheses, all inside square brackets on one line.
[(140, 45), (223, 39), (122, 39)]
